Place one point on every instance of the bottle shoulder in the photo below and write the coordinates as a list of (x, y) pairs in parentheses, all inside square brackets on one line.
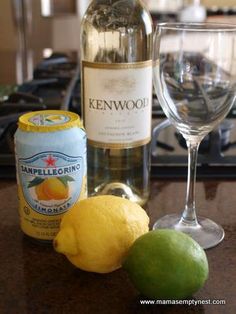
[(116, 31), (111, 15)]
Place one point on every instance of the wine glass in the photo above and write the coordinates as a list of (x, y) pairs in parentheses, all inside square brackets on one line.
[(194, 79)]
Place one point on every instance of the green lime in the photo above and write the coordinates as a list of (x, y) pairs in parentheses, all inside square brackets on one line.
[(166, 264)]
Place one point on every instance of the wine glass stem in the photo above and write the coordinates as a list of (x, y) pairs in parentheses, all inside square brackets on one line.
[(189, 214)]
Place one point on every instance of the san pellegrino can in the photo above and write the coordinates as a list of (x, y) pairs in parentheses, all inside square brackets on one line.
[(116, 63), (50, 148)]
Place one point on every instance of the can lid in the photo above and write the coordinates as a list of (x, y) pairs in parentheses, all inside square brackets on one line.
[(49, 121)]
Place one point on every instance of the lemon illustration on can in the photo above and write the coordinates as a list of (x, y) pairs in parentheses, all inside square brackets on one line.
[(55, 188)]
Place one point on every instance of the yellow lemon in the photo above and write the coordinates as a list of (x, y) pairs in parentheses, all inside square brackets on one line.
[(83, 192), (96, 233)]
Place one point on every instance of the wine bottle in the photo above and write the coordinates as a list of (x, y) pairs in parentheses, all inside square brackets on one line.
[(116, 63)]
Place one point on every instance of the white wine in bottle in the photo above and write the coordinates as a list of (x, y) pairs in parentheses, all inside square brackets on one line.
[(116, 63)]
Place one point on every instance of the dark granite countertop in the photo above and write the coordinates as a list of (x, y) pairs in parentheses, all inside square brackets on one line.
[(34, 279)]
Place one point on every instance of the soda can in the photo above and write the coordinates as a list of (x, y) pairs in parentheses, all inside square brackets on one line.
[(51, 166)]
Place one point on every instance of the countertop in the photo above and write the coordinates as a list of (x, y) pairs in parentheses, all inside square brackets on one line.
[(35, 279)]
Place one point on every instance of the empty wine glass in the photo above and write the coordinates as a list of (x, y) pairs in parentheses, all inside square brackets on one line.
[(194, 79)]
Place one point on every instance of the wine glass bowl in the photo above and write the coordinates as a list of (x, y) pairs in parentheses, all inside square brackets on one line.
[(194, 79)]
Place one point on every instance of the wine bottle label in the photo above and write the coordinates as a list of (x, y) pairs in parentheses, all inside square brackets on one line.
[(117, 103)]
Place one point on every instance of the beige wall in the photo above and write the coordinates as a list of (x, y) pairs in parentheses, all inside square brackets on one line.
[(66, 33), (212, 3), (7, 34), (219, 3), (59, 32), (39, 36)]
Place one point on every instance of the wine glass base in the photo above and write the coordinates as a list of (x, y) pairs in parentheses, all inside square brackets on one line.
[(207, 233)]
